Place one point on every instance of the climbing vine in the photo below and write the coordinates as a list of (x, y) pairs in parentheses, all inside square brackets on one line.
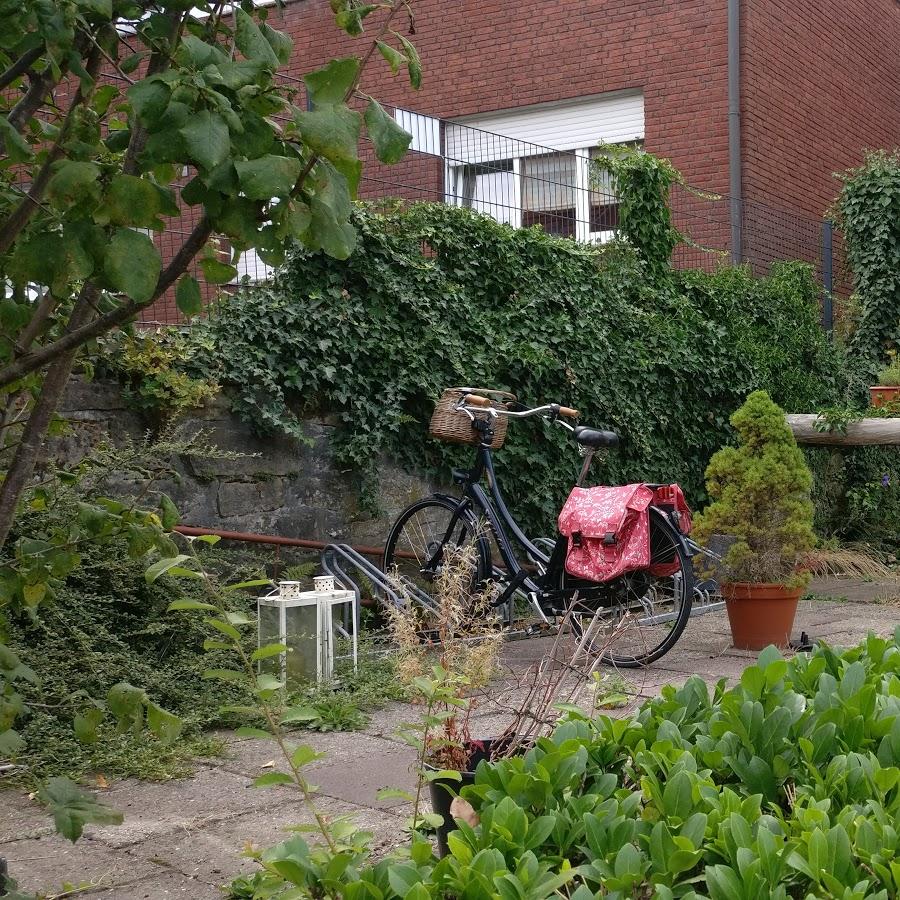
[(869, 212), (437, 296)]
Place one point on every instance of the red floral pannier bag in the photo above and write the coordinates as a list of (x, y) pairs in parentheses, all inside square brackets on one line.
[(608, 530)]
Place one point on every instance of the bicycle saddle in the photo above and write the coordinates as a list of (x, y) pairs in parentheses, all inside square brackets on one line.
[(592, 437)]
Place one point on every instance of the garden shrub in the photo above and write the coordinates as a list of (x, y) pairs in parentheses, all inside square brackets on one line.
[(785, 785), (760, 496), (437, 296), (106, 625)]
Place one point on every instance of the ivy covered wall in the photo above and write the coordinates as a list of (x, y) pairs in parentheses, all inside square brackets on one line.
[(437, 296)]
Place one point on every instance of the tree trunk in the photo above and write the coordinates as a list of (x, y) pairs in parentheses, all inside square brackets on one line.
[(21, 469), (865, 432)]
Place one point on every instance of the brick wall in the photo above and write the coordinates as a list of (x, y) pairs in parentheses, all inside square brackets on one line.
[(483, 55), (821, 83)]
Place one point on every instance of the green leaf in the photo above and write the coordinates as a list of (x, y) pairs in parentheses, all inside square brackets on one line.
[(130, 201), (280, 42), (72, 808), (217, 272), (273, 778), (225, 627), (251, 42), (267, 682), (74, 182), (243, 585), (206, 137), (299, 714), (413, 63), (126, 703), (268, 176), (86, 724), (268, 651), (132, 264), (229, 675), (331, 131), (394, 57), (189, 302), (190, 605), (389, 793), (149, 99), (390, 141), (130, 63), (161, 567), (304, 755), (16, 147), (246, 731), (169, 512), (333, 83), (163, 724)]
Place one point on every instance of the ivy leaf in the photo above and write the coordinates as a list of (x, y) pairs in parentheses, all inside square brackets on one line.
[(332, 84), (390, 140), (268, 176), (72, 808), (132, 264), (190, 303), (394, 57), (251, 42), (206, 138)]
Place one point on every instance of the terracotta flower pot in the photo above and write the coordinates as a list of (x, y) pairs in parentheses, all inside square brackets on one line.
[(760, 614), (883, 395)]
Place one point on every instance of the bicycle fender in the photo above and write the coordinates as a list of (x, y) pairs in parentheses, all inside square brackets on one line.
[(682, 540)]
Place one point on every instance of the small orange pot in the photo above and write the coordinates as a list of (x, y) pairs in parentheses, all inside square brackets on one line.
[(760, 614), (884, 395)]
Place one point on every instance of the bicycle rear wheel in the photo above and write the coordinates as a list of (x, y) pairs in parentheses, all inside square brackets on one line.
[(646, 611), (421, 542)]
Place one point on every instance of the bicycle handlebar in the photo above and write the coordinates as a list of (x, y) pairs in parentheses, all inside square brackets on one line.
[(554, 409)]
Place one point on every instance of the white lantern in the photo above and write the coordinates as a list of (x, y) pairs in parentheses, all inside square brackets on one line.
[(304, 622)]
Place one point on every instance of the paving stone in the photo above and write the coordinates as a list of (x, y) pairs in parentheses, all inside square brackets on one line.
[(152, 809), (213, 855), (357, 765), (43, 865)]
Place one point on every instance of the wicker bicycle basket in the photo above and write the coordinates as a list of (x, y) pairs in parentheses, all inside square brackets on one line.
[(455, 427)]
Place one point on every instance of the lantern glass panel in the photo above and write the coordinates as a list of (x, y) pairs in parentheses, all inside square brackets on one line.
[(270, 633), (303, 643)]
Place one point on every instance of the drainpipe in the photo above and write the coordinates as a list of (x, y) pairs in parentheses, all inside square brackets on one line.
[(734, 129)]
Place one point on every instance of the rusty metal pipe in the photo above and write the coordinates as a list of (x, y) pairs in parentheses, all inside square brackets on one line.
[(278, 540)]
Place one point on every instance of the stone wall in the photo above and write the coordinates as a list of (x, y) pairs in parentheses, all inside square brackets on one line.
[(278, 485)]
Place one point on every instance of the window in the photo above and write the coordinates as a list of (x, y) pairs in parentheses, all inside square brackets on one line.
[(549, 192), (499, 163)]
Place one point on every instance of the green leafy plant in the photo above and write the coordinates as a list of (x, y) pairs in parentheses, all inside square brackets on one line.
[(105, 109), (868, 209), (784, 785), (889, 376), (760, 496), (373, 341), (151, 369)]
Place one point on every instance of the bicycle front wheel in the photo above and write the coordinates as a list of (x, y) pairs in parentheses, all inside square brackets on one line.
[(646, 611), (421, 543)]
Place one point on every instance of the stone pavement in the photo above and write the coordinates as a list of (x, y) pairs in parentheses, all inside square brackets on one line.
[(184, 838)]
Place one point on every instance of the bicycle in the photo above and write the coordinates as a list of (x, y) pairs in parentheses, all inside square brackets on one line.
[(645, 613)]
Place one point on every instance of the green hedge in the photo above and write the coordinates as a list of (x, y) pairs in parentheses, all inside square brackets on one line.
[(437, 296)]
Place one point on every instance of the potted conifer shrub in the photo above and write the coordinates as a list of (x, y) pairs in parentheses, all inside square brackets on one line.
[(760, 499), (887, 391)]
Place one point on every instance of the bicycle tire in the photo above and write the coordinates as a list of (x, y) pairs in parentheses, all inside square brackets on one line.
[(666, 545), (434, 512)]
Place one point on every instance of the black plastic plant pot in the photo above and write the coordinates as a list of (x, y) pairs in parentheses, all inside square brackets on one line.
[(443, 790)]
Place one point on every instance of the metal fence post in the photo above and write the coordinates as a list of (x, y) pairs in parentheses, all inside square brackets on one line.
[(827, 275)]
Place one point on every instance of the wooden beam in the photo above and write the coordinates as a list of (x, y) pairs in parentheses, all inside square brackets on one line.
[(865, 432)]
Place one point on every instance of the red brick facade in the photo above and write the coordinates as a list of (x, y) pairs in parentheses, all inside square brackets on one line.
[(483, 55)]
